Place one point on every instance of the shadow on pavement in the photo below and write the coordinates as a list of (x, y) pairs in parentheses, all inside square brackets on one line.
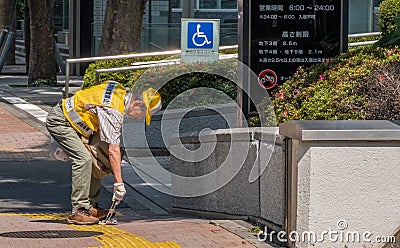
[(39, 186)]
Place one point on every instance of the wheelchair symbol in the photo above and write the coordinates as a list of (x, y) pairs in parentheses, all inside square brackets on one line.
[(200, 36)]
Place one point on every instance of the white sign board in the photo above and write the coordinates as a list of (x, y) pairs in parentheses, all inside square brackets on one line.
[(199, 40)]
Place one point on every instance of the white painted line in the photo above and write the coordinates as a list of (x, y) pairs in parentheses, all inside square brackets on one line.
[(14, 100), (31, 109), (39, 92), (42, 119)]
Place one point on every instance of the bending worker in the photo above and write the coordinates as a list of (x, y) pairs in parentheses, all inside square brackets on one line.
[(98, 109)]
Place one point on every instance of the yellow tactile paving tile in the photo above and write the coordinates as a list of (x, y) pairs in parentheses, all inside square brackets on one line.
[(111, 237)]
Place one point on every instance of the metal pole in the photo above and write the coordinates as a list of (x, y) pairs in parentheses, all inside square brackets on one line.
[(59, 58), (66, 87), (97, 77), (7, 46), (362, 43), (188, 9), (3, 36), (361, 35), (344, 29), (244, 57)]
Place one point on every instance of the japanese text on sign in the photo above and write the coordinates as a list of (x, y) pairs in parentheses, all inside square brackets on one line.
[(287, 35)]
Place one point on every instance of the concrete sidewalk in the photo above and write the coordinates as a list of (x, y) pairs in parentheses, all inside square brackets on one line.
[(34, 197)]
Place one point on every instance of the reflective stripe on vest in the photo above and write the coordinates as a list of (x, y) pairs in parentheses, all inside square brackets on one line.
[(76, 119), (108, 93)]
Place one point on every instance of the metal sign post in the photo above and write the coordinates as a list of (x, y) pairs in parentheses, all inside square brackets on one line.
[(275, 38), (6, 48)]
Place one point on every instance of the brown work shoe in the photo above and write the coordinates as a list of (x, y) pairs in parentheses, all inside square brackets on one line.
[(98, 212), (82, 217)]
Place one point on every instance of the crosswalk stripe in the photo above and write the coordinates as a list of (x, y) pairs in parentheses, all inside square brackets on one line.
[(33, 110)]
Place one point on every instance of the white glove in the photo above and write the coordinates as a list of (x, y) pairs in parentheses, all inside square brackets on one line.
[(119, 192)]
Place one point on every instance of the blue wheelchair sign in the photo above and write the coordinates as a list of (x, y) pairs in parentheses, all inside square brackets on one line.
[(200, 35)]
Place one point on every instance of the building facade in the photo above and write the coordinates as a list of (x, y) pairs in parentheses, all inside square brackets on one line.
[(82, 22)]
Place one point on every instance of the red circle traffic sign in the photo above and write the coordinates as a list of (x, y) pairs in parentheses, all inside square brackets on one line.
[(267, 79)]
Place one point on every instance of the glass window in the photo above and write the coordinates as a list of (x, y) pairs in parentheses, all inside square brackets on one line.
[(360, 16), (228, 4), (217, 4), (208, 4), (176, 4)]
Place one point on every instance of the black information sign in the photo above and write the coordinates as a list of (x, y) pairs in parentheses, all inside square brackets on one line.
[(286, 34)]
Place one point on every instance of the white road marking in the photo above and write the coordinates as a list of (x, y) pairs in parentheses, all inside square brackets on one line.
[(31, 109)]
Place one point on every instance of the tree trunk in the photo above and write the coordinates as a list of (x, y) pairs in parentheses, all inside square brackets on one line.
[(122, 27), (27, 34), (42, 59), (8, 21)]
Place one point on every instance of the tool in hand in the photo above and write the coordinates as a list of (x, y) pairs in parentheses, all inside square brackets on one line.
[(109, 220)]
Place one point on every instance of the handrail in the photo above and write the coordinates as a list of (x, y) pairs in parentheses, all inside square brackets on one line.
[(149, 64), (362, 43), (362, 35), (123, 56), (134, 67)]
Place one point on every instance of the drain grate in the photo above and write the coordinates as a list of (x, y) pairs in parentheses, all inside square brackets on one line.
[(50, 234)]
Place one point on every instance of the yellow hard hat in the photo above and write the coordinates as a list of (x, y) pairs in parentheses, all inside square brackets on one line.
[(152, 101)]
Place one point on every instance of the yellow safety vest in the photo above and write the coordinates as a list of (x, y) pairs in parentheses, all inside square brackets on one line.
[(110, 94)]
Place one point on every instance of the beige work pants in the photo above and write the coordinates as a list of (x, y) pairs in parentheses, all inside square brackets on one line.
[(85, 188)]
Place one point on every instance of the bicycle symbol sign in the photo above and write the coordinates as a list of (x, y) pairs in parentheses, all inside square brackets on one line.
[(200, 35), (267, 79)]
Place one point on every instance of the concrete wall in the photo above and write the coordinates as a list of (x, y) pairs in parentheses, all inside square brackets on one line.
[(174, 122), (335, 180), (272, 180), (348, 179), (355, 182), (250, 152)]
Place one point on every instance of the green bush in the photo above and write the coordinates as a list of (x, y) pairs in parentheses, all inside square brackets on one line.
[(391, 38), (127, 78), (178, 79), (186, 86), (343, 88), (19, 8), (388, 9)]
